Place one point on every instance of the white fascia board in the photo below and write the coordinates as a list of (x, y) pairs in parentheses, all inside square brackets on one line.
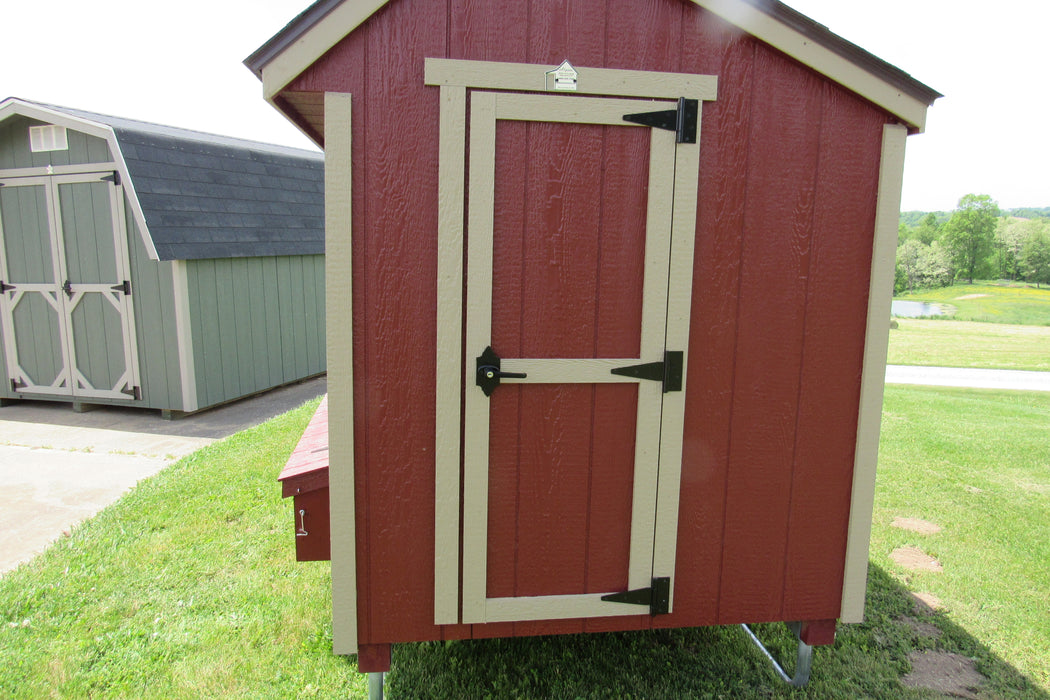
[(314, 43), (821, 59), (12, 106), (349, 15)]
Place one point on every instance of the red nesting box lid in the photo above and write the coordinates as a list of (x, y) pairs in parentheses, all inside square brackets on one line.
[(307, 468)]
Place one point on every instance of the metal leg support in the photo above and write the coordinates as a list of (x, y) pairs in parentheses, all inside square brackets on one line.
[(802, 666), (375, 685)]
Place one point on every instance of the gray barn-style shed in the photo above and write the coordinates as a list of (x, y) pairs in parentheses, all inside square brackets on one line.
[(152, 266)]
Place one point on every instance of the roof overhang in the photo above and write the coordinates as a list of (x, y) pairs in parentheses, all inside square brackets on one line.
[(12, 106), (325, 23)]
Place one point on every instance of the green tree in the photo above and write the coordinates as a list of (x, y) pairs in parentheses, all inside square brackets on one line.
[(908, 263), (970, 234), (929, 229), (1035, 257), (1010, 237)]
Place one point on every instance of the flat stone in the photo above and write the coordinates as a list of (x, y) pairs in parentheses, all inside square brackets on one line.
[(923, 527), (926, 603), (915, 559), (943, 672)]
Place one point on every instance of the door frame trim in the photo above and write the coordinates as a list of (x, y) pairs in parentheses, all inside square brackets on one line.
[(455, 77)]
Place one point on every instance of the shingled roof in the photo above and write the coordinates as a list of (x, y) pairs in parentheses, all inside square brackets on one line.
[(200, 195)]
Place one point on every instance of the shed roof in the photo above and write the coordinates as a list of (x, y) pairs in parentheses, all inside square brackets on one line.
[(197, 195), (322, 25)]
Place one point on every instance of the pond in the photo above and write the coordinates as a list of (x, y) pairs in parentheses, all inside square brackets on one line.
[(915, 309)]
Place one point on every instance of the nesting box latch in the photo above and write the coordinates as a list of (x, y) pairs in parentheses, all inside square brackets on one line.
[(668, 372), (657, 596), (682, 120)]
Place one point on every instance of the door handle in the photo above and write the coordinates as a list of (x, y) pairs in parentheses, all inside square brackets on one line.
[(489, 372), (68, 289)]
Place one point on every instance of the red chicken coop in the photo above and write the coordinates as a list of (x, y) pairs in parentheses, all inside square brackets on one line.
[(608, 301)]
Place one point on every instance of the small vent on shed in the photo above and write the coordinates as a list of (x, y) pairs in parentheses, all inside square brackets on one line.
[(48, 138)]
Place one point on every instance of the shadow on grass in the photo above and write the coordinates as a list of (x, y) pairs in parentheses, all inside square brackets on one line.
[(867, 660)]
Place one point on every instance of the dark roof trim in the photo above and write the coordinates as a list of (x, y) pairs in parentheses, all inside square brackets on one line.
[(847, 50), (290, 34), (789, 17)]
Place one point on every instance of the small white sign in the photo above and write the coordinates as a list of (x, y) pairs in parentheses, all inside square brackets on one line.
[(564, 77)]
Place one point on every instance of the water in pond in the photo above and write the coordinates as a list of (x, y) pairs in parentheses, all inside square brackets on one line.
[(914, 309)]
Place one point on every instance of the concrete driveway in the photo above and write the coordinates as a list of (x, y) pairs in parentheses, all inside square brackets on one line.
[(58, 467)]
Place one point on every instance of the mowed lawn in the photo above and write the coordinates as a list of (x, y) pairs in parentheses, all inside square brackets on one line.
[(188, 588), (934, 343), (991, 302)]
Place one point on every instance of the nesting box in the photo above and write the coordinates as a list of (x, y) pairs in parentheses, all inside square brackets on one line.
[(608, 292)]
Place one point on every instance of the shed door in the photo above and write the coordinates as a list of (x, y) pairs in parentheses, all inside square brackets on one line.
[(570, 244), (65, 309)]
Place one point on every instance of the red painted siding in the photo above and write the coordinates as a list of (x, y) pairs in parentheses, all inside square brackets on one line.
[(786, 209)]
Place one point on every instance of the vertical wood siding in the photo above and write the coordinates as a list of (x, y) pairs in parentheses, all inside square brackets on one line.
[(252, 321), (153, 302), (15, 151), (788, 180)]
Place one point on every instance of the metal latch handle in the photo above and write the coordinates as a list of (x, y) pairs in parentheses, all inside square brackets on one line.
[(301, 532), (489, 372)]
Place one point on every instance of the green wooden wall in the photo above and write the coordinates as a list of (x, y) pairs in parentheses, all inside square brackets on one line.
[(153, 300), (256, 323), (15, 153)]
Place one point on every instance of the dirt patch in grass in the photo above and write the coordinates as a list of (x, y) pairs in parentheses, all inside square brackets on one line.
[(923, 527), (972, 296), (943, 672), (915, 559), (926, 603), (920, 628)]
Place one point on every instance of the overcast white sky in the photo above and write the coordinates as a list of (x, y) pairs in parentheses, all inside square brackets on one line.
[(180, 64)]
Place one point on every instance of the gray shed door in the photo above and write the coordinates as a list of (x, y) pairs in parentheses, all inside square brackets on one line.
[(65, 307)]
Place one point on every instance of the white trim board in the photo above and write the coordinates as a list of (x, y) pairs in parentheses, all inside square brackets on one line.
[(876, 341), (340, 348), (308, 46), (12, 106)]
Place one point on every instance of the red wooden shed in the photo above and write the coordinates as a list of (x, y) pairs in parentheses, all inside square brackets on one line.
[(608, 300)]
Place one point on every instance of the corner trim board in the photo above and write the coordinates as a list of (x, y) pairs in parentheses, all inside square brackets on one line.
[(340, 348), (184, 335), (873, 377)]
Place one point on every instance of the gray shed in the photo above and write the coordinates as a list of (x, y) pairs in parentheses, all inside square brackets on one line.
[(152, 266)]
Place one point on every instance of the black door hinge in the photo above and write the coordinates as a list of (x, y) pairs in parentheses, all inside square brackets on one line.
[(125, 287), (114, 178), (682, 121), (657, 596), (132, 391), (668, 372), (5, 287), (17, 384)]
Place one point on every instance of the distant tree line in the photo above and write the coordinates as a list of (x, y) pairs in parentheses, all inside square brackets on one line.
[(975, 241)]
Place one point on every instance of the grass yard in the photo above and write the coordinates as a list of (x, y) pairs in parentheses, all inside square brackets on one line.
[(969, 344), (977, 464), (188, 588), (991, 302)]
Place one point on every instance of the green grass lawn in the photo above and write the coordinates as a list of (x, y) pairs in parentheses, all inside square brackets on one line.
[(991, 302), (969, 344), (188, 588)]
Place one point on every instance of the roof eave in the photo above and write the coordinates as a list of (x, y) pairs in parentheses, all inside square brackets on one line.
[(321, 26)]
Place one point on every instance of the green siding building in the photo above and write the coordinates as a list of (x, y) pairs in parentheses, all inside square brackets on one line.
[(151, 266)]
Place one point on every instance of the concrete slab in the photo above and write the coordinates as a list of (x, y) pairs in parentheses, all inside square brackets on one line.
[(59, 467), (46, 492), (1005, 379)]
